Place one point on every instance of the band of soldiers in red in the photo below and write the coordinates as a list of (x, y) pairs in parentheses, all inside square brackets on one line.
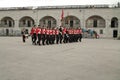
[(45, 35)]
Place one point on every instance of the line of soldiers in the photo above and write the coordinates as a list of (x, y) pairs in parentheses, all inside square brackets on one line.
[(46, 35)]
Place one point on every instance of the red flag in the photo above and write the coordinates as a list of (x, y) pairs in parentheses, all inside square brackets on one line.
[(62, 15)]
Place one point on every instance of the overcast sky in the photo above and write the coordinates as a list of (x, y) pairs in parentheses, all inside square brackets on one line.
[(25, 3)]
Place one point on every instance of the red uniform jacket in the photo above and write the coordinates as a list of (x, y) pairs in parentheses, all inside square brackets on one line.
[(53, 31), (47, 31), (43, 31), (72, 31), (64, 31), (56, 31), (33, 30), (69, 31), (78, 31), (38, 31)]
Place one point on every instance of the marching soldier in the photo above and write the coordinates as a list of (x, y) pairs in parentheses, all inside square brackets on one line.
[(72, 32), (80, 34), (75, 35), (33, 34), (43, 33), (38, 32), (60, 34), (64, 35), (51, 33), (47, 35), (69, 34), (57, 35)]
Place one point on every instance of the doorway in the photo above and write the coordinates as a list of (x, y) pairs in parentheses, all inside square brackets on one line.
[(7, 32), (115, 33)]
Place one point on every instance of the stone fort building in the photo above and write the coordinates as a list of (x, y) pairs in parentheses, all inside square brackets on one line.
[(105, 20)]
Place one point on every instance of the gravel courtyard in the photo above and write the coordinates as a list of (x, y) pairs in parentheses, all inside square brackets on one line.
[(92, 59)]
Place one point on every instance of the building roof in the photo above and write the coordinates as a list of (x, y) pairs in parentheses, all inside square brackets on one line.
[(59, 7)]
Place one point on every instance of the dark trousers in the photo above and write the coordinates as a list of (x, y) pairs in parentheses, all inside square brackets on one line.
[(50, 39), (34, 38), (61, 37), (70, 38), (65, 38), (57, 39), (43, 39), (39, 38), (23, 38), (53, 39), (75, 37), (80, 37), (47, 39)]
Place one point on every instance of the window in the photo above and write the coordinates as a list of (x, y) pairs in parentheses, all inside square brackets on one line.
[(94, 23), (54, 22), (77, 21), (114, 23), (23, 22), (101, 31), (43, 21), (5, 21), (29, 24), (10, 23)]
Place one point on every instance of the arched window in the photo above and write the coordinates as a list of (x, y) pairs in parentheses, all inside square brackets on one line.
[(48, 21), (114, 22), (7, 22), (71, 21), (95, 22), (26, 22)]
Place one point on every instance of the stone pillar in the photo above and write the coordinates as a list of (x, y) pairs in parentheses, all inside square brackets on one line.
[(36, 21), (82, 21), (107, 27), (36, 16), (16, 24), (16, 29)]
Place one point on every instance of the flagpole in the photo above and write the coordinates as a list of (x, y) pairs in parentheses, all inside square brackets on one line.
[(62, 16)]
